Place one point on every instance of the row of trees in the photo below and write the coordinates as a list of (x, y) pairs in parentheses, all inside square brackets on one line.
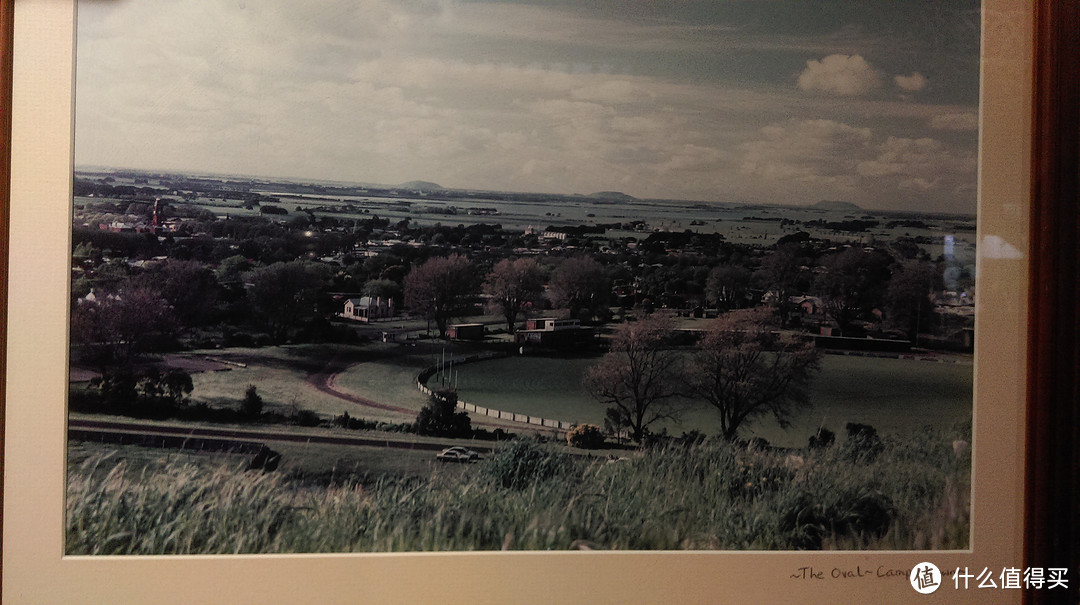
[(134, 312), (851, 284), (127, 314), (665, 269), (137, 311), (744, 366), (262, 276), (443, 287)]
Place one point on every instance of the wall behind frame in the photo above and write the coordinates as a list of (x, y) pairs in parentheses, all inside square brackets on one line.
[(35, 571)]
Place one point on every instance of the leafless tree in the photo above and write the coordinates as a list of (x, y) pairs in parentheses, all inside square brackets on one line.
[(512, 285), (640, 378), (439, 288), (579, 284), (746, 367)]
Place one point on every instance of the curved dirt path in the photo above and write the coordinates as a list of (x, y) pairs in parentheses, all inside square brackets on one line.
[(326, 382)]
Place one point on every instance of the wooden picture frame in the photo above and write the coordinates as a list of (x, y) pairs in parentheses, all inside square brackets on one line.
[(1052, 531), (1025, 455)]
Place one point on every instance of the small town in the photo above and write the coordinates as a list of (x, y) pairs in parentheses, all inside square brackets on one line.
[(525, 275), (527, 336)]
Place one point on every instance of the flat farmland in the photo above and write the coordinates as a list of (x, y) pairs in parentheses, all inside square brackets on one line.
[(741, 224)]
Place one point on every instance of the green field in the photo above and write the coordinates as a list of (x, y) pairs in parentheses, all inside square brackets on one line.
[(735, 222), (281, 376), (892, 395), (384, 373)]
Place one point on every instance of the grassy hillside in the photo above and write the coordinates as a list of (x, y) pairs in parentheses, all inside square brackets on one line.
[(910, 494)]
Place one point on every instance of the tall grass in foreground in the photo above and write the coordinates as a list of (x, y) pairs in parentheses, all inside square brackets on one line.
[(712, 495)]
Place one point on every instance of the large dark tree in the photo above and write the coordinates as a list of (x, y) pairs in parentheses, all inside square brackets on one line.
[(383, 288), (440, 288), (512, 285), (441, 417), (113, 328), (852, 284), (746, 367), (285, 295), (908, 296), (640, 379), (189, 286), (580, 284), (782, 274), (727, 286)]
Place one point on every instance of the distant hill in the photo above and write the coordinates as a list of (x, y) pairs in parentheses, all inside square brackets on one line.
[(611, 195), (834, 205), (421, 186)]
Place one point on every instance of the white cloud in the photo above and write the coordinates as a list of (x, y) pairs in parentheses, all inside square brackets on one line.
[(845, 75), (617, 90), (913, 83), (805, 150), (919, 164), (900, 156), (466, 94), (959, 121), (811, 159), (692, 158)]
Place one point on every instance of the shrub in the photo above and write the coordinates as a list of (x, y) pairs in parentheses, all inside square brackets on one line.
[(252, 404), (149, 394), (441, 418), (585, 436), (692, 437), (346, 421), (852, 512), (175, 385), (822, 438), (118, 389), (525, 462), (863, 443), (306, 418), (268, 209)]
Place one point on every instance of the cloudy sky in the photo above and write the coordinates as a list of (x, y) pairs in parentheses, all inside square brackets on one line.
[(765, 101)]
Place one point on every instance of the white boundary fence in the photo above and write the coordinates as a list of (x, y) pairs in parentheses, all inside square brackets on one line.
[(423, 376)]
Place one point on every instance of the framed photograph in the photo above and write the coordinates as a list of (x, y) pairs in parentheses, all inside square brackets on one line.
[(627, 56)]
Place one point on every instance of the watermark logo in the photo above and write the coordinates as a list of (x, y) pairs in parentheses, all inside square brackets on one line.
[(925, 578)]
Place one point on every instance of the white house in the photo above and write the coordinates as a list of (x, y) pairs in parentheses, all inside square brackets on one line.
[(368, 308)]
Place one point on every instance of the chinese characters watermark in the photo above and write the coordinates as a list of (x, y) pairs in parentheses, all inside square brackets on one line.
[(925, 578), (1010, 578)]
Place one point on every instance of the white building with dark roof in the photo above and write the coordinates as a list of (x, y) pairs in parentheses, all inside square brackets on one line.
[(368, 308)]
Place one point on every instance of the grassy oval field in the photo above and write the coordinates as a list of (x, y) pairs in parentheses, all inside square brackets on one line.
[(285, 377), (892, 395)]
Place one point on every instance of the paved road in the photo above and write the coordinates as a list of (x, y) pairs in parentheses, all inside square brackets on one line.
[(227, 438)]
